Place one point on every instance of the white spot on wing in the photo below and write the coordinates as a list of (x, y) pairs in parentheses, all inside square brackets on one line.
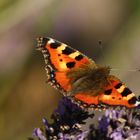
[(137, 103), (51, 41)]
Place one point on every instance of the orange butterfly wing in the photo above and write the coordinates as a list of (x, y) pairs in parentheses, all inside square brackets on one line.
[(114, 94), (61, 58)]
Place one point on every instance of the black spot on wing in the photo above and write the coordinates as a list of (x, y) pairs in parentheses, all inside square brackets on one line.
[(132, 100), (139, 98), (126, 92), (70, 64), (68, 51), (44, 41), (55, 45), (118, 85), (108, 92), (79, 57)]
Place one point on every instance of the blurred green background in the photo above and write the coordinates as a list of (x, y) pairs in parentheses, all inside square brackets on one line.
[(25, 98)]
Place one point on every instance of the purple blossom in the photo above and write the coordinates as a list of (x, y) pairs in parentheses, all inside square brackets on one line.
[(38, 133), (68, 119)]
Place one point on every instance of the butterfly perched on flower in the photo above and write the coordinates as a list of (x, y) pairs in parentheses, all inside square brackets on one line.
[(79, 77)]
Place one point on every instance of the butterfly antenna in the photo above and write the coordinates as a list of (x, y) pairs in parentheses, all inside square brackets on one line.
[(101, 50), (129, 70), (114, 69)]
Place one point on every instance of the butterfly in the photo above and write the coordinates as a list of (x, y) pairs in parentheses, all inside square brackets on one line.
[(79, 77)]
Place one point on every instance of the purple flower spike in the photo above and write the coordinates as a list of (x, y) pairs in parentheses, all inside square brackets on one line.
[(39, 134), (68, 119), (116, 135), (45, 123), (103, 123)]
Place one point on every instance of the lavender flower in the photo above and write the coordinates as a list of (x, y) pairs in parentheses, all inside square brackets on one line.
[(68, 119), (119, 124)]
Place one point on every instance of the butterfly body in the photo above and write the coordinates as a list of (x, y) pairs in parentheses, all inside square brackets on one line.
[(79, 77)]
